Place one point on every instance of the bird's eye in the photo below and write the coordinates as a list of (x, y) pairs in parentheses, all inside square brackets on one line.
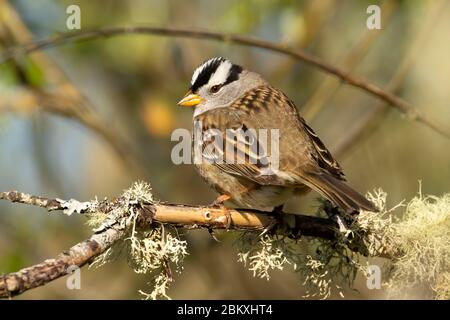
[(215, 88)]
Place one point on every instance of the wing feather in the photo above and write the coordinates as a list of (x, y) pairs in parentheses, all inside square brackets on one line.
[(238, 152), (299, 146)]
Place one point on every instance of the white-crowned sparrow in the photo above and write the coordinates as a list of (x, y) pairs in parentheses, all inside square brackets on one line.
[(228, 97)]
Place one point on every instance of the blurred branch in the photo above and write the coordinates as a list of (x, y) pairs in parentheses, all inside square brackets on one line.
[(84, 35), (146, 214), (25, 198), (371, 120), (329, 86), (67, 106), (40, 274), (69, 102)]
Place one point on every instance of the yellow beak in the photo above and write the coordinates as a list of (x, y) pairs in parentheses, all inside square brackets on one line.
[(190, 100)]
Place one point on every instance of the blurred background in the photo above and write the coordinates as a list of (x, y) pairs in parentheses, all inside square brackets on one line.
[(88, 119)]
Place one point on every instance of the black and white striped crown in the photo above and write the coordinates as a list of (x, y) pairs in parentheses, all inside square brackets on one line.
[(215, 71)]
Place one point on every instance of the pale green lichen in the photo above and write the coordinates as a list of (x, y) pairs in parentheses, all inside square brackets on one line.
[(327, 268), (140, 192), (317, 279), (423, 236), (263, 254), (323, 266), (160, 283), (418, 241), (154, 252), (442, 286), (96, 219), (417, 244), (376, 230), (109, 255)]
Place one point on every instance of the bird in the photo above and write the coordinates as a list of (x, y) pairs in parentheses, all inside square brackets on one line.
[(231, 107)]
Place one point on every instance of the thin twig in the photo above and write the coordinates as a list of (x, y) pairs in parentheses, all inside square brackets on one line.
[(63, 105), (371, 120), (79, 107), (329, 86), (84, 35), (25, 198)]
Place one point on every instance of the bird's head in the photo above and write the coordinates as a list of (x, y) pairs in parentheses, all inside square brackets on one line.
[(217, 83)]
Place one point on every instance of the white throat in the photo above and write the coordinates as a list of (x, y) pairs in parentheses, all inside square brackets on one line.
[(205, 108)]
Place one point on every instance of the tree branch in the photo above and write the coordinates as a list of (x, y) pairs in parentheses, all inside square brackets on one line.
[(68, 101), (329, 86), (192, 217), (115, 228), (40, 274), (393, 100), (370, 121)]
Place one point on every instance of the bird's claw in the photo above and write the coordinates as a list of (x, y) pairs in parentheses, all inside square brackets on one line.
[(211, 233), (218, 202), (277, 211), (228, 215)]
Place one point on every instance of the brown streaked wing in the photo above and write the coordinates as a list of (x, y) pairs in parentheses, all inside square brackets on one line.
[(237, 150), (300, 148), (323, 157), (280, 109)]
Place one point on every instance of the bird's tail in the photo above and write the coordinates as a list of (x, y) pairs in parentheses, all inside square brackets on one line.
[(339, 192)]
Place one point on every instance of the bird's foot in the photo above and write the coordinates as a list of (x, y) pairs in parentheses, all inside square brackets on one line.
[(218, 202), (278, 209), (343, 219), (212, 234), (277, 219)]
